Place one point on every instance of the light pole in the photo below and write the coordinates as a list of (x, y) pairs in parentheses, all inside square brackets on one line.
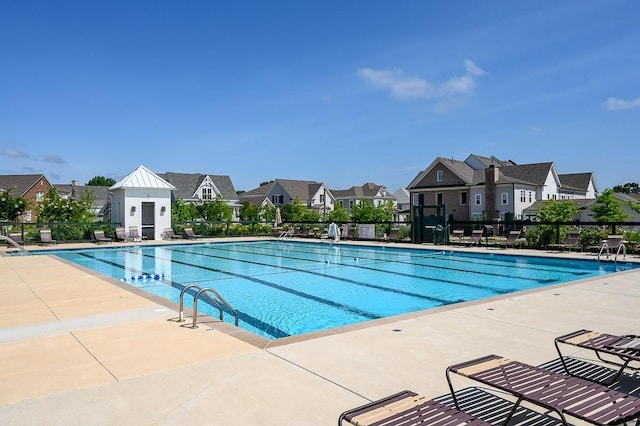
[(324, 204)]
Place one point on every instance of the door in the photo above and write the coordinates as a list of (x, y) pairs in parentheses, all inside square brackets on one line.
[(149, 220)]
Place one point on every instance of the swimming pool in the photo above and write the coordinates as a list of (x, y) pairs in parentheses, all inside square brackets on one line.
[(286, 288)]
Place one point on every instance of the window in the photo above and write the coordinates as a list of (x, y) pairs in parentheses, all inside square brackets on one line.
[(207, 193), (322, 198), (523, 196), (439, 175), (505, 198), (27, 216), (350, 204), (464, 198), (340, 203), (277, 199), (416, 199), (439, 198), (39, 196), (477, 216), (478, 200), (530, 196)]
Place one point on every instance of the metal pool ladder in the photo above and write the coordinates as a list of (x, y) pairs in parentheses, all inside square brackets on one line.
[(21, 250), (204, 292)]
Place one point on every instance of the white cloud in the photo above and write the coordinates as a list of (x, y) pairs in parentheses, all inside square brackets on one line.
[(401, 85), (473, 69), (406, 87), (55, 159), (615, 104), (14, 153)]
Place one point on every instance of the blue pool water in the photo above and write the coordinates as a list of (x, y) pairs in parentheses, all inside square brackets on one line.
[(285, 288)]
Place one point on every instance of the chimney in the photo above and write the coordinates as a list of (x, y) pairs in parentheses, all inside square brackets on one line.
[(491, 175), (75, 183)]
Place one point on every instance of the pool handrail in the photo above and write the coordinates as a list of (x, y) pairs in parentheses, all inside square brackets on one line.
[(214, 302), (204, 292)]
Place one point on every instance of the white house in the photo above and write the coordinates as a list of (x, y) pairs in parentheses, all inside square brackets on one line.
[(142, 199)]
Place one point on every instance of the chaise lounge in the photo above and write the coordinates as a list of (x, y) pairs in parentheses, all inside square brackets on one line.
[(168, 234), (620, 351), (46, 238), (407, 408), (476, 237), (571, 242), (613, 243), (512, 238), (188, 233), (565, 395), (99, 237), (121, 234)]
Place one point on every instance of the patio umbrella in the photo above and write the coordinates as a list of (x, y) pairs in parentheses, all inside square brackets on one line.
[(278, 221)]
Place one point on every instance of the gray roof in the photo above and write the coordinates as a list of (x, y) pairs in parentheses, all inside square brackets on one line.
[(186, 184), (18, 185), (368, 190), (302, 189), (534, 174), (578, 181), (100, 193)]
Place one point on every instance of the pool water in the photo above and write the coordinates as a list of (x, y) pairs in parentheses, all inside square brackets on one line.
[(286, 288)]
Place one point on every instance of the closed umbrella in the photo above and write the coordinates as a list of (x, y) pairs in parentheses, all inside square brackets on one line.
[(278, 221)]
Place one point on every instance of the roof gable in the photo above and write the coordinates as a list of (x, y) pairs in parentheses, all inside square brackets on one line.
[(18, 185), (188, 185), (142, 178)]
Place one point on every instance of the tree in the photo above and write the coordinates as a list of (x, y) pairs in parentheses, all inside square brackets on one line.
[(215, 210), (339, 214), (557, 211), (384, 211), (627, 188), (183, 212), (11, 207), (249, 212), (101, 181), (363, 211), (553, 211), (294, 211), (608, 208), (54, 208)]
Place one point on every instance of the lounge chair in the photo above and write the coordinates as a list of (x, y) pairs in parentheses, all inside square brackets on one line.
[(46, 238), (99, 237), (476, 238), (188, 233), (168, 234), (121, 234), (457, 237), (623, 349), (613, 243), (391, 236), (571, 242), (134, 235), (14, 238), (512, 238), (565, 395), (407, 408)]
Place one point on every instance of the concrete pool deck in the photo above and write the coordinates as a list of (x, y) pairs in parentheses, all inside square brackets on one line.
[(100, 354)]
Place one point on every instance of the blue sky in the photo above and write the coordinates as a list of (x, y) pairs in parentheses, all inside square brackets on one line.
[(343, 92)]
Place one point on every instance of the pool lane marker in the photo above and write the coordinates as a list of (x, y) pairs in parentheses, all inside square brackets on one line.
[(370, 268)]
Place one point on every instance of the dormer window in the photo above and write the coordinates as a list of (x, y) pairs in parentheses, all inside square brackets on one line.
[(207, 193), (439, 176)]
